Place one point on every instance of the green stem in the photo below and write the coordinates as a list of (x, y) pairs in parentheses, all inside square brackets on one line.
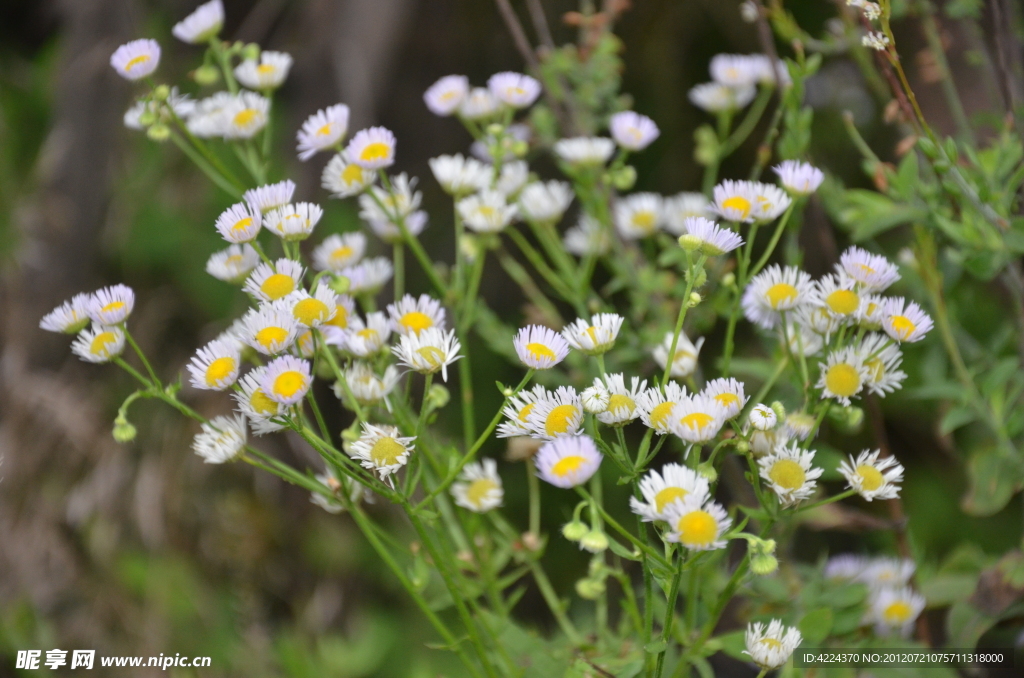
[(399, 263), (691, 276), (554, 604), (772, 243), (142, 357), (670, 615)]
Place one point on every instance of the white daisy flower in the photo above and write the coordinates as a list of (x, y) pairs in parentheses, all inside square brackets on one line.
[(269, 329), (202, 24), (698, 418), (368, 388), (684, 362), (400, 201), (239, 223), (338, 252), (411, 315), (682, 206), (799, 178), (540, 347), (215, 366), (428, 351), (766, 442), (843, 375), (446, 95), (478, 104), (255, 405), (391, 233), (514, 89), (887, 572), (873, 478), (136, 59), (770, 647), (816, 317), (656, 405), (738, 70), (513, 178), (272, 282), (799, 425), (369, 275), (762, 417), (773, 290), (71, 317), (882, 359), (846, 566), (111, 305), (479, 488), (729, 394), (769, 202), (595, 398), (518, 410), (705, 236), (234, 264), (311, 310), (697, 523), (568, 461), (895, 610), (638, 215), (207, 118), (382, 449), (559, 413), (487, 211), (286, 380), (344, 179), (661, 490), (596, 336), (622, 402), (870, 314), (367, 338), (873, 271), (293, 222), (735, 200), (99, 343), (632, 131), (545, 202), (222, 439), (266, 74), (838, 295), (269, 196), (715, 97), (322, 130), (788, 471), (904, 321), (585, 151), (587, 237), (245, 116), (372, 148), (460, 176)]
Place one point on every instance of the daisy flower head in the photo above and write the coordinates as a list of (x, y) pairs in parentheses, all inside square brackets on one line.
[(517, 412), (444, 97), (697, 523), (268, 73), (367, 388), (622, 402), (705, 236), (789, 473), (345, 179), (887, 572), (269, 329), (545, 201), (904, 320), (769, 202), (222, 439), (215, 366), (729, 394), (568, 461), (770, 647), (870, 314), (111, 305), (401, 200), (682, 206), (513, 178), (71, 317), (259, 409), (557, 414), (774, 290), (514, 89), (479, 104), (322, 130), (766, 442), (293, 222), (487, 211), (596, 336), (369, 275), (338, 252), (882, 359), (286, 380), (585, 151), (660, 490), (270, 282), (344, 310), (684, 362), (234, 264), (245, 116), (843, 375), (872, 271), (136, 59), (202, 24), (372, 148), (428, 351), (269, 196), (479, 487), (837, 295), (540, 347), (715, 97), (207, 118), (762, 418), (367, 338), (411, 315), (873, 478), (656, 404), (391, 232), (382, 449), (895, 609), (595, 398), (698, 418), (311, 310), (639, 215), (735, 200), (846, 566), (815, 317), (239, 223), (799, 178), (632, 131), (460, 176), (588, 236), (799, 425), (99, 343), (737, 70)]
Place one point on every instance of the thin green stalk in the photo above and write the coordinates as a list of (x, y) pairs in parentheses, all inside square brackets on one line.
[(671, 359), (533, 487), (204, 166), (340, 376), (554, 603), (142, 356), (825, 502), (399, 265), (670, 615), (779, 228)]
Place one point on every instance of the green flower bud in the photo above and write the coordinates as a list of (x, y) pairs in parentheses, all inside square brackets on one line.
[(161, 92), (123, 431), (147, 117), (695, 299), (575, 530), (340, 284), (251, 51), (690, 243), (158, 132), (706, 470), (520, 148), (594, 541), (699, 278), (729, 280), (624, 178), (779, 409), (438, 396), (743, 447), (763, 565), (590, 589), (206, 75)]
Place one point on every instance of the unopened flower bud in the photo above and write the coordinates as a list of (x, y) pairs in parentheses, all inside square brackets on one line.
[(161, 92), (158, 132), (695, 299), (729, 280), (494, 129), (779, 409), (251, 51), (763, 565), (206, 75), (438, 396), (743, 447), (595, 399), (699, 278), (623, 178), (590, 589), (706, 470), (594, 541), (575, 530), (762, 417), (123, 431), (690, 243), (340, 284), (147, 117), (520, 148)]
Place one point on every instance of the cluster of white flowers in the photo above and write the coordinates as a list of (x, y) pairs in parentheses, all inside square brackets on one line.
[(893, 606), (734, 81)]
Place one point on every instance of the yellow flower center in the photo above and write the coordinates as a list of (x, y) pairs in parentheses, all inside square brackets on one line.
[(261, 404), (245, 117), (616, 402), (101, 343), (780, 293), (525, 412), (141, 59), (661, 413), (242, 224), (787, 474), (369, 334), (865, 269), (310, 311), (697, 528), (351, 174), (667, 496), (233, 260), (341, 254), (432, 354), (727, 399), (567, 465), (287, 384), (486, 211), (876, 369), (305, 342), (843, 302), (386, 451), (772, 643), (269, 337), (277, 286), (902, 326), (738, 203), (559, 419), (696, 420), (377, 150), (645, 221), (219, 369), (265, 69), (478, 490), (843, 380), (325, 130), (416, 321), (870, 477), (539, 351), (340, 318), (112, 306), (682, 354), (897, 613)]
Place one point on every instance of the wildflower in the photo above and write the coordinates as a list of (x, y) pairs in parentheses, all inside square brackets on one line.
[(773, 291), (888, 572), (369, 275), (799, 425), (215, 366), (269, 329), (875, 40), (207, 119), (269, 73), (382, 449), (585, 151), (845, 567), (557, 414), (338, 252), (460, 176), (729, 394), (895, 610), (344, 307), (735, 200), (367, 388), (638, 215), (872, 10), (202, 24), (622, 402), (837, 295), (286, 380), (632, 131), (769, 202), (770, 647), (738, 70), (660, 490), (596, 336), (428, 351), (656, 405), (267, 197), (479, 488), (545, 202), (882, 359), (222, 439), (293, 222), (594, 541), (366, 338), (99, 343), (254, 403), (595, 398), (684, 362), (873, 478), (766, 442), (111, 305), (540, 347), (705, 236), (372, 148), (479, 104), (762, 417), (799, 178), (322, 130), (843, 375), (512, 179), (311, 310), (136, 59), (698, 418), (873, 271), (788, 471), (181, 104), (870, 313), (446, 95), (345, 179), (568, 461), (239, 223), (71, 317), (391, 232), (233, 264), (715, 97), (697, 522), (904, 321), (587, 237), (518, 410), (401, 200), (245, 115), (487, 211), (677, 209), (411, 315), (514, 89), (271, 282)]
